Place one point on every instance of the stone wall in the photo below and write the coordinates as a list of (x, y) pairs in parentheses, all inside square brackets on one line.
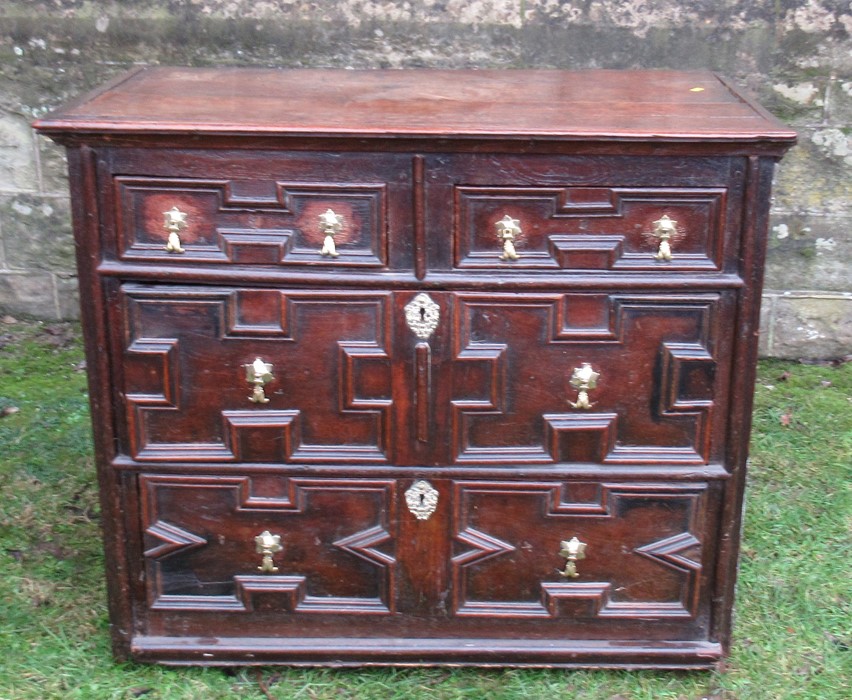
[(795, 55)]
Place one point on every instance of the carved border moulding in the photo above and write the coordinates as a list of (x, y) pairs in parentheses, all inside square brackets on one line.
[(674, 552)]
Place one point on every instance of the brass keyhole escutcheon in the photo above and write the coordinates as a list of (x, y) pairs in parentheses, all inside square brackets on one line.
[(421, 499), (422, 315)]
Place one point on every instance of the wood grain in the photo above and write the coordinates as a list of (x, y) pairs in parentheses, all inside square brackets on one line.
[(662, 105)]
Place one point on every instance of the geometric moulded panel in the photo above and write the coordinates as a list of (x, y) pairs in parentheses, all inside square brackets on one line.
[(655, 399), (589, 228), (200, 544), (644, 554), (186, 392), (280, 228)]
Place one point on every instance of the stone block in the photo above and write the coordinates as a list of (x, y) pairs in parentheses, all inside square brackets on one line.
[(834, 144), (812, 326), (809, 252), (17, 154), (814, 177), (28, 292), (798, 99), (37, 233), (839, 108)]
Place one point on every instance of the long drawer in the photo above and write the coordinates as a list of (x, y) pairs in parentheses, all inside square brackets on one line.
[(296, 560)]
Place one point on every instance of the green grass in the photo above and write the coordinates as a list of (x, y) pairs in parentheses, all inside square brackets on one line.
[(792, 626)]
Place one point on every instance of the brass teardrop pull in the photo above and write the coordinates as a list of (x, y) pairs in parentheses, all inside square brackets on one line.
[(508, 232), (267, 544), (663, 234), (330, 226), (175, 221), (573, 550), (584, 379), (258, 374)]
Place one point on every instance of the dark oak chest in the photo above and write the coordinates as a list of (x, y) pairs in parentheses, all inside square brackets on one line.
[(420, 367)]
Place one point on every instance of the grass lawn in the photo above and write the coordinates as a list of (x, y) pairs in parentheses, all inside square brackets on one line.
[(792, 629)]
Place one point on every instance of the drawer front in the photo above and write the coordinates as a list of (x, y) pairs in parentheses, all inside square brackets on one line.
[(254, 375), (583, 552), (292, 558), (256, 208), (329, 548), (656, 378), (584, 214)]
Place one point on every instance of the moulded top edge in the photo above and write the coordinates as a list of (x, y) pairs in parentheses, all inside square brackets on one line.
[(507, 104)]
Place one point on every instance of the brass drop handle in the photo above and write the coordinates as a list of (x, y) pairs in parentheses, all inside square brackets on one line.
[(330, 226), (174, 222), (267, 544), (258, 374), (573, 550), (584, 379), (508, 232), (663, 234)]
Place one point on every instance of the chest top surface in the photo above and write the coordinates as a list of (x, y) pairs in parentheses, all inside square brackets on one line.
[(548, 104)]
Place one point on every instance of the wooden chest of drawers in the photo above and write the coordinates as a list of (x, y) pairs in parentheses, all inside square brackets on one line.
[(420, 367)]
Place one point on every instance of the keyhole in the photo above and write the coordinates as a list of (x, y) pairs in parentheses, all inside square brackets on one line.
[(422, 499), (422, 312)]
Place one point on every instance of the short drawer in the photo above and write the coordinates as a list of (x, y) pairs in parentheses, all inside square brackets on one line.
[(594, 214), (273, 209), (292, 545), (583, 551), (231, 375)]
